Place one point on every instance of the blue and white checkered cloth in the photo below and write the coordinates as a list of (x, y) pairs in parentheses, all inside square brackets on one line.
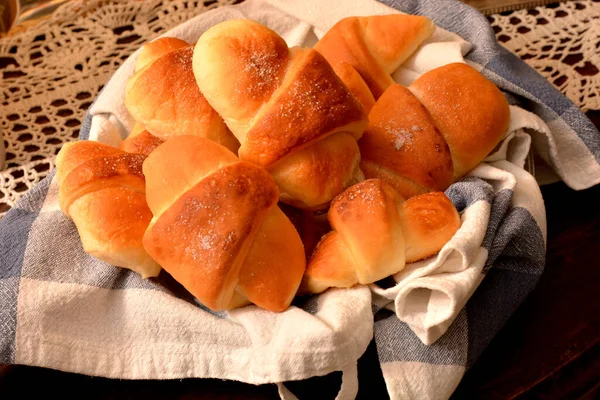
[(60, 308)]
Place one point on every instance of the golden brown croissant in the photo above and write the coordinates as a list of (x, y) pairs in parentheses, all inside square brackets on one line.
[(102, 189), (355, 84), (156, 49), (164, 98), (375, 46), (290, 111), (422, 138), (217, 228), (141, 143), (470, 112), (375, 233)]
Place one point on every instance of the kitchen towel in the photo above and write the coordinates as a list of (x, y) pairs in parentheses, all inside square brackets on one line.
[(63, 309)]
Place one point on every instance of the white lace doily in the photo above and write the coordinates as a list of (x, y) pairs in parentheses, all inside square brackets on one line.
[(52, 71), (562, 42)]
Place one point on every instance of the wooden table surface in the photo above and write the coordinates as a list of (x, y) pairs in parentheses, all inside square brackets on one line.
[(550, 348)]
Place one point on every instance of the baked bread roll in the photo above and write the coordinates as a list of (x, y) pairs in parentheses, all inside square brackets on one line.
[(217, 228), (141, 143), (156, 49), (290, 111), (164, 98), (403, 146), (102, 189), (375, 46), (355, 83), (136, 130), (423, 138), (375, 233), (470, 112)]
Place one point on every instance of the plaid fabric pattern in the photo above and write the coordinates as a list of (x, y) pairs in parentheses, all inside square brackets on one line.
[(63, 309)]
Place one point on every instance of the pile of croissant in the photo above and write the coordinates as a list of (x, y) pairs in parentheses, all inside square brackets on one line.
[(256, 171)]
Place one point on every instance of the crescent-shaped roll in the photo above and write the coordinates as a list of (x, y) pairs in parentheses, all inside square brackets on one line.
[(291, 113), (217, 228), (470, 112), (356, 84), (141, 143), (102, 189), (156, 49), (422, 138), (164, 98), (403, 146), (375, 233), (375, 46)]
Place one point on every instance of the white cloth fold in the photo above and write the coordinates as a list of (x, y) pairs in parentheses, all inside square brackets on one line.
[(430, 293), (428, 296)]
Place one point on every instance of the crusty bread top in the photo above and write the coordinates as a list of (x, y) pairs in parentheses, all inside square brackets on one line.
[(331, 264), (208, 206), (95, 173), (273, 99), (238, 65), (428, 222), (102, 190), (393, 38), (384, 232), (311, 102), (403, 138), (203, 237), (356, 84), (366, 218), (470, 112), (177, 165), (275, 264), (141, 143), (157, 48), (74, 154), (164, 97), (336, 158), (375, 46)]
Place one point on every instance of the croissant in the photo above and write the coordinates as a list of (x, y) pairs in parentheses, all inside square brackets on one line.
[(424, 137), (140, 142), (163, 96), (355, 83), (156, 49), (103, 190), (217, 228), (375, 46), (290, 111), (375, 233)]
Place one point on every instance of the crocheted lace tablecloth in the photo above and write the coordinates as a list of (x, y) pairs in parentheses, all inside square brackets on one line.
[(53, 71)]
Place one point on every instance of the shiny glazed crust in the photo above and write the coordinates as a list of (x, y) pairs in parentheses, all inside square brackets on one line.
[(156, 49), (102, 189), (280, 103), (141, 143), (217, 228), (164, 98), (402, 138), (355, 84), (375, 232), (375, 46), (470, 112)]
